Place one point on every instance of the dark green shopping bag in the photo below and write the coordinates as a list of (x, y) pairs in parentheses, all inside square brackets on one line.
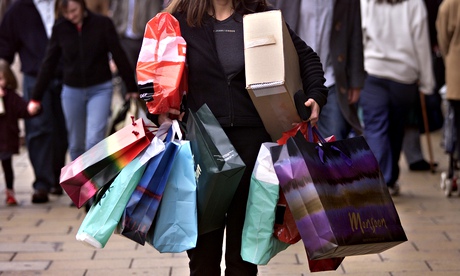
[(218, 168)]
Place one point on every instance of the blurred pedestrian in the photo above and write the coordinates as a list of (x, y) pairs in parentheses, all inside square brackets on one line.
[(12, 107), (130, 18), (448, 29), (412, 148), (333, 29), (87, 90), (397, 58), (25, 30)]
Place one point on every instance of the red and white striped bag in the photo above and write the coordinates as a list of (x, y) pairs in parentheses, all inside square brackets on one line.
[(161, 62)]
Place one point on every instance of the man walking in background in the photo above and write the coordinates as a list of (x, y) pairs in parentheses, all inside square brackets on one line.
[(25, 30)]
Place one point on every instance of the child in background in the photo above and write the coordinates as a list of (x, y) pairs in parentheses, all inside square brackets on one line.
[(14, 108)]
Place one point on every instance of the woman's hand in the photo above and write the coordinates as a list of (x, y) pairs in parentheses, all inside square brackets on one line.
[(165, 117), (353, 95), (310, 103), (33, 107)]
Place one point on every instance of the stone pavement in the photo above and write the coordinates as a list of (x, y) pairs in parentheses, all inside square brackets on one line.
[(40, 239)]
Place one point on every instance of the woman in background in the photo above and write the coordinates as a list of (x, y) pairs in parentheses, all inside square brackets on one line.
[(82, 41)]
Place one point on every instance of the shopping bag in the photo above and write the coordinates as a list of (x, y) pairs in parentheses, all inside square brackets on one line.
[(161, 64), (82, 177), (338, 197), (285, 228), (104, 215), (218, 168), (258, 243), (176, 224), (143, 204)]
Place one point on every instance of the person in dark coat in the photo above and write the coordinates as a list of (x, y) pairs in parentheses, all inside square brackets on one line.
[(333, 29), (24, 32), (12, 107)]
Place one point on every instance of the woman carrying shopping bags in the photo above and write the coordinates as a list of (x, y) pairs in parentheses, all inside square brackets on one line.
[(213, 31)]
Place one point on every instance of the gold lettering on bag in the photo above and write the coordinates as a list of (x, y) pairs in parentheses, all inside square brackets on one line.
[(370, 224)]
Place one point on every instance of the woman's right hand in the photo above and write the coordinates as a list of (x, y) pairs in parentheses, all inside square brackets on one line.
[(165, 117)]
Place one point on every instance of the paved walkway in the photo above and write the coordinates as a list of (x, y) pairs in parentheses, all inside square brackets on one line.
[(40, 239)]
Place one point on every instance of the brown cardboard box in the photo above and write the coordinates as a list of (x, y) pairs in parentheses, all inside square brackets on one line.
[(272, 70)]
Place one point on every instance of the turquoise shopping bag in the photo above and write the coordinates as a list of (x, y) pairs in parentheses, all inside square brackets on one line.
[(104, 215), (259, 243)]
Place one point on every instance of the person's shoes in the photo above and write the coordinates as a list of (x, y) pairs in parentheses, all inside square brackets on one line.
[(10, 200), (421, 165), (56, 190), (40, 196), (394, 191)]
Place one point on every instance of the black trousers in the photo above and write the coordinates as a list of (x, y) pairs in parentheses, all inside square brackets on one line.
[(206, 257)]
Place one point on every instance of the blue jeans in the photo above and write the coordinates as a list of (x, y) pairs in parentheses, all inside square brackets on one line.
[(46, 135), (87, 111), (331, 121), (385, 105)]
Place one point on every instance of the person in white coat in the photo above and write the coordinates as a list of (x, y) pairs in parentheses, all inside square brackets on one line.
[(397, 58)]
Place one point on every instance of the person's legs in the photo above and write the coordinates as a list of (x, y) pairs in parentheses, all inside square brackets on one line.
[(9, 179), (40, 138), (98, 112), (402, 97), (60, 141), (247, 143), (74, 106), (8, 172), (205, 258), (412, 149), (331, 120), (375, 106)]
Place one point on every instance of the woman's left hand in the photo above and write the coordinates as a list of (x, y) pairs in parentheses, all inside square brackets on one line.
[(315, 109)]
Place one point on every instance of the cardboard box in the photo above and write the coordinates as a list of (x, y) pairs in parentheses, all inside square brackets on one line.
[(272, 70)]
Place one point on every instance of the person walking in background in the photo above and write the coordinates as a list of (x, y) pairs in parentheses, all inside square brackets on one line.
[(397, 58), (213, 31), (412, 148), (12, 108), (333, 29), (87, 90), (448, 34), (130, 18), (26, 29)]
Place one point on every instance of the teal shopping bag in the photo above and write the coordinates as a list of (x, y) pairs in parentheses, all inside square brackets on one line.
[(259, 244), (176, 227), (104, 215), (218, 168)]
